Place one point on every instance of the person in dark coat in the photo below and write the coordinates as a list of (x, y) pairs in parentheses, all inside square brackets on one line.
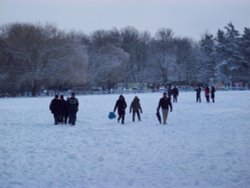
[(55, 108), (170, 92), (166, 105), (135, 107), (64, 110), (175, 93), (198, 94), (213, 94), (121, 106), (72, 107), (207, 93)]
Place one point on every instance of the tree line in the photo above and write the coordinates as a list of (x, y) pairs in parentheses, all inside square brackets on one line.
[(35, 56)]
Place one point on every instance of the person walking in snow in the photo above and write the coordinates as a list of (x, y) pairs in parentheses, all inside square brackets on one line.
[(55, 108), (166, 105), (170, 92), (213, 94), (121, 106), (207, 93), (72, 107), (198, 94), (175, 93), (135, 107)]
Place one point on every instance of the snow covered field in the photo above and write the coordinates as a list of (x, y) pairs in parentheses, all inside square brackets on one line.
[(204, 145)]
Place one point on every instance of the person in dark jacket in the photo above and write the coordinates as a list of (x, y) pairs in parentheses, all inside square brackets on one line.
[(170, 92), (198, 94), (166, 105), (135, 107), (72, 107), (213, 94), (175, 93), (64, 111), (121, 106), (207, 93), (55, 108)]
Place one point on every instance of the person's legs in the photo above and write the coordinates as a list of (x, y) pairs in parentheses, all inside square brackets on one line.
[(55, 119), (133, 116), (164, 115), (118, 119), (73, 118), (123, 118), (138, 115), (65, 119), (70, 118)]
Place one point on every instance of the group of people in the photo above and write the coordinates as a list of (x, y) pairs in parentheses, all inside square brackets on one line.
[(164, 104), (121, 105), (208, 93), (64, 111)]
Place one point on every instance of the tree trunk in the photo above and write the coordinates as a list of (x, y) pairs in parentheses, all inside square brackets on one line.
[(35, 88)]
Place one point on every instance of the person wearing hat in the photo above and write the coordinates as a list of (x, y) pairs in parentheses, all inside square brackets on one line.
[(166, 105), (72, 107)]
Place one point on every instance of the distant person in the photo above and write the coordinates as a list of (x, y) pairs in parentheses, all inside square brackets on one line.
[(121, 106), (207, 93), (55, 108), (198, 94), (175, 93), (135, 107), (170, 92), (72, 107), (213, 94), (166, 105), (64, 111)]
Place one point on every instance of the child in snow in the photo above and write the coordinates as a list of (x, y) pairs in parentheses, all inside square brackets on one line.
[(136, 108)]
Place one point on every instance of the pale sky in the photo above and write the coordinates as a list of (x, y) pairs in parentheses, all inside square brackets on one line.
[(187, 18)]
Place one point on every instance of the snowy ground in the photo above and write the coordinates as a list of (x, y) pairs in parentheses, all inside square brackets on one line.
[(203, 146)]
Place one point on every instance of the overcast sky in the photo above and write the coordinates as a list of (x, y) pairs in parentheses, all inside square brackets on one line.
[(187, 18)]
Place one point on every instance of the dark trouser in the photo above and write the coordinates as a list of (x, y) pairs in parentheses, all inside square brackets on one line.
[(138, 115), (213, 99), (65, 119), (60, 118), (198, 98), (72, 118), (56, 118), (207, 98), (121, 116), (174, 98)]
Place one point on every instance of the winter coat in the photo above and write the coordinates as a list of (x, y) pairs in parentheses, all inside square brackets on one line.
[(55, 106), (175, 92), (64, 106), (164, 103), (120, 105), (198, 91), (72, 105), (135, 105), (207, 91), (212, 92)]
